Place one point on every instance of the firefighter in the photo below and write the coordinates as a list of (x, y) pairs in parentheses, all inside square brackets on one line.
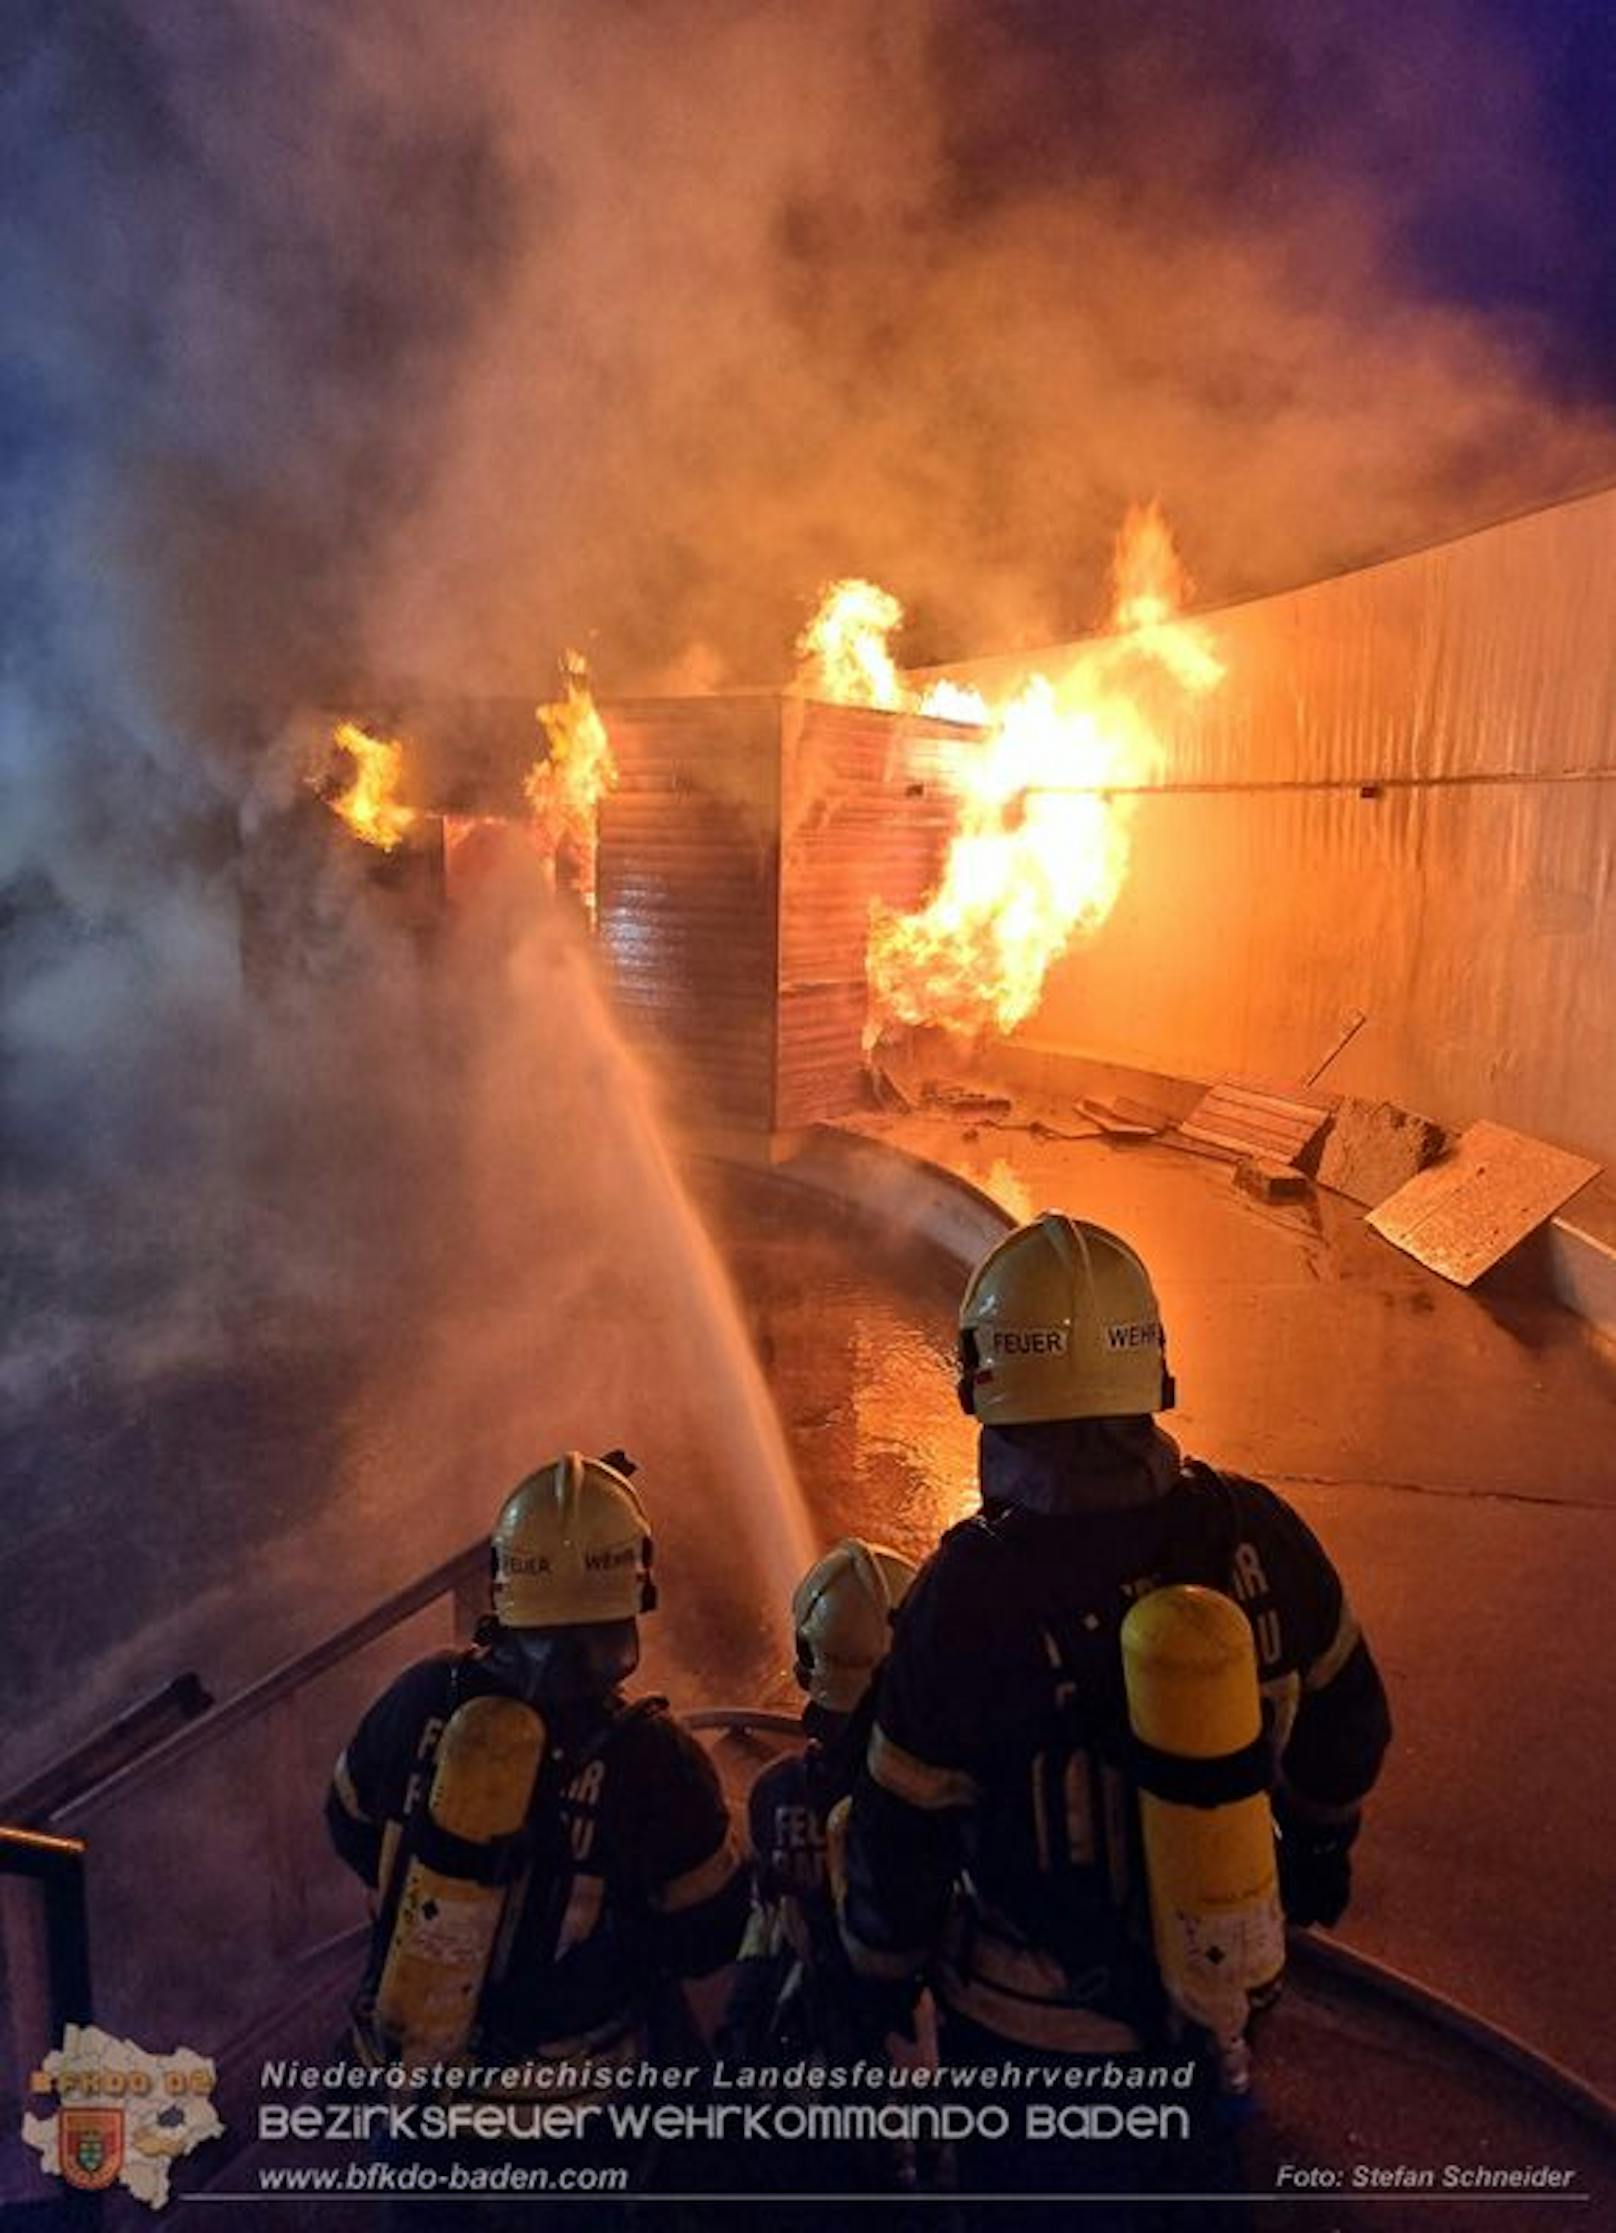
[(993, 1842), (614, 1872), (793, 1990)]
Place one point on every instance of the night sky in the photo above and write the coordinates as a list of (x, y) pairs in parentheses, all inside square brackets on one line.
[(1484, 132)]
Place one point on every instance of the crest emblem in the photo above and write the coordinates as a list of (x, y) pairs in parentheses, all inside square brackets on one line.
[(91, 2144)]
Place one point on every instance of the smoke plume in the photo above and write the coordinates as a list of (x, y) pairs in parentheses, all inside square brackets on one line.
[(395, 344)]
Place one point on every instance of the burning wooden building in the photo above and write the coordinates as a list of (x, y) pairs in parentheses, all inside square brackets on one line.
[(741, 852)]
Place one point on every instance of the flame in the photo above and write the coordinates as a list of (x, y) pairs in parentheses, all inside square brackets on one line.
[(842, 654), (564, 787), (1149, 588), (1041, 844), (370, 804), (955, 701), (1148, 583)]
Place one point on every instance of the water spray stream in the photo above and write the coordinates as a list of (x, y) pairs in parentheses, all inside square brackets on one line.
[(771, 1510), (591, 1307)]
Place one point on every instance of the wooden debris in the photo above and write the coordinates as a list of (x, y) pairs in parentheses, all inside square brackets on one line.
[(1141, 1112), (1176, 1137), (1459, 1216), (965, 1100), (1372, 1148), (888, 1093), (1270, 1181), (1117, 1123), (1251, 1120)]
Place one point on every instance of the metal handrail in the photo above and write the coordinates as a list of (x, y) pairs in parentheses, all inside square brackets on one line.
[(463, 1576), (739, 1720), (111, 1747), (60, 1860)]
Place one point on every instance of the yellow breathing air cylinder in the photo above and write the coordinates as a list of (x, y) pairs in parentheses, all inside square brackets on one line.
[(1191, 1672), (488, 1762)]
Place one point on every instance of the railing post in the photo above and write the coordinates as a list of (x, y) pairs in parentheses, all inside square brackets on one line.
[(44, 1987), (67, 1938), (25, 1984)]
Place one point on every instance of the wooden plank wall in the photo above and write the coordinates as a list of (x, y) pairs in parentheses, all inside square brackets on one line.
[(865, 818), (739, 857), (688, 885)]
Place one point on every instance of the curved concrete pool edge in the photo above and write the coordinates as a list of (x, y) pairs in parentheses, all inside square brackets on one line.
[(958, 1217)]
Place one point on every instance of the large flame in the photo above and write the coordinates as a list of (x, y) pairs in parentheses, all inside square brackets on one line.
[(370, 805), (1149, 589), (844, 652), (564, 787), (1041, 845)]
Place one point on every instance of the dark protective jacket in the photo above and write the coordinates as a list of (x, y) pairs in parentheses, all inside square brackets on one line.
[(994, 1829), (794, 1989), (629, 1874)]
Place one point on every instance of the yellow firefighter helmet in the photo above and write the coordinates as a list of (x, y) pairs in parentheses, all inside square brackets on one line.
[(572, 1545), (1060, 1321), (842, 1612)]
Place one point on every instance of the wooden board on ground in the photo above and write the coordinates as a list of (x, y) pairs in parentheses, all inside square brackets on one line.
[(1117, 1122), (1272, 1121), (1459, 1216), (1141, 1112), (1372, 1148), (1270, 1181)]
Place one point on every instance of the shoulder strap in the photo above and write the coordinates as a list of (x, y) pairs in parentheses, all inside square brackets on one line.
[(1202, 1527), (544, 1882)]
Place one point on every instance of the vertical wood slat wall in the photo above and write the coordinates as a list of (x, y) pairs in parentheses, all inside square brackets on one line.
[(864, 818), (739, 857), (687, 886)]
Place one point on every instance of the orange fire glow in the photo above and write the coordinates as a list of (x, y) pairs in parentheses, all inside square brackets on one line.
[(564, 787), (370, 805), (1041, 844)]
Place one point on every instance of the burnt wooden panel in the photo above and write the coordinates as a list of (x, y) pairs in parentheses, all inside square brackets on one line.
[(865, 819), (739, 858), (688, 880), (1459, 1216)]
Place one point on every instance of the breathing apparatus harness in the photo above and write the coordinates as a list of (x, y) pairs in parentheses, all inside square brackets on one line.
[(1086, 1842), (532, 1862)]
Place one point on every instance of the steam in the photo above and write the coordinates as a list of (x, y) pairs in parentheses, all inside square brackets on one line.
[(400, 345)]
